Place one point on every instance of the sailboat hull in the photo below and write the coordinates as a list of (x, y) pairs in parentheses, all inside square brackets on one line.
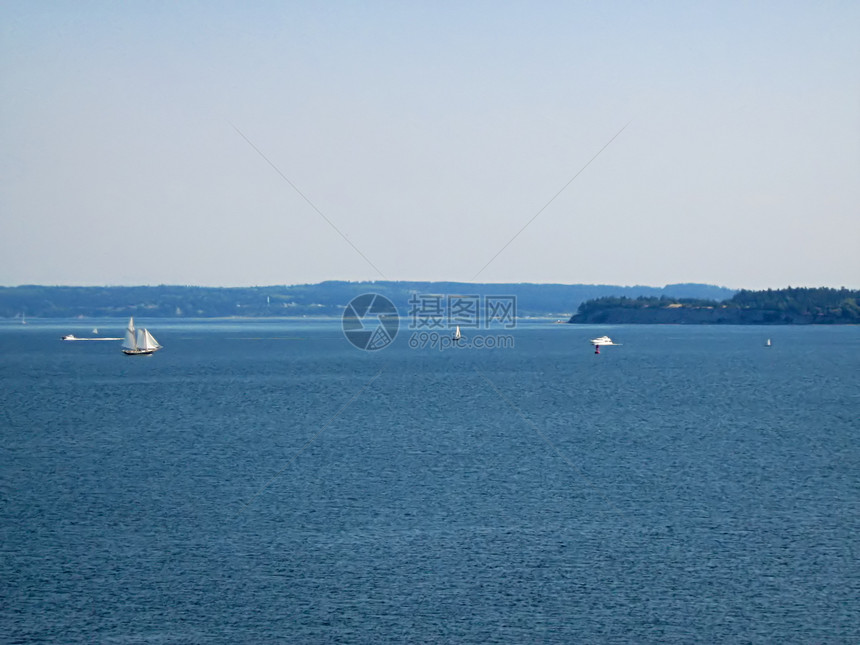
[(138, 352)]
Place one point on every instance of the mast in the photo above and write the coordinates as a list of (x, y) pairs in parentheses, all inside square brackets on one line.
[(129, 341)]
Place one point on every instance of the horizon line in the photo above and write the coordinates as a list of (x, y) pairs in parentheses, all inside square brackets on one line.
[(387, 281), (372, 281)]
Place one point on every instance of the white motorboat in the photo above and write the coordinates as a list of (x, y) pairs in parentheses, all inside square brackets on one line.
[(603, 340)]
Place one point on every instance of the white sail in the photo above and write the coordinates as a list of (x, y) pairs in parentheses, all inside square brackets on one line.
[(129, 341), (149, 341), (457, 335), (138, 342)]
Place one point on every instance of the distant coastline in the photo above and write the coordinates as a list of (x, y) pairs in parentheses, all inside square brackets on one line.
[(306, 300), (685, 303), (790, 306)]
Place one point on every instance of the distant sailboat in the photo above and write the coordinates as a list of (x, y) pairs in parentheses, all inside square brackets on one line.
[(139, 342), (457, 335), (767, 344)]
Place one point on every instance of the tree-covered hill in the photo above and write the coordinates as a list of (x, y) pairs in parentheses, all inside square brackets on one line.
[(773, 306)]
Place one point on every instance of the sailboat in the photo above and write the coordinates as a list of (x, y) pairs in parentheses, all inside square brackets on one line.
[(767, 344), (140, 342), (457, 335)]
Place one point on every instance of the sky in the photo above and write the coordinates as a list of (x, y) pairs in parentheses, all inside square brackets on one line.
[(263, 143)]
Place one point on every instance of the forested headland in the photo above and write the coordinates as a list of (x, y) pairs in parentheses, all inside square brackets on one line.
[(790, 306)]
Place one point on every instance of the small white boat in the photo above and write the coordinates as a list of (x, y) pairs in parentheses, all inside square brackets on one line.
[(73, 337), (138, 342), (767, 343), (457, 335), (603, 340)]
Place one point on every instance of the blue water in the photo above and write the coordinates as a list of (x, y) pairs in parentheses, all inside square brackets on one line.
[(266, 482)]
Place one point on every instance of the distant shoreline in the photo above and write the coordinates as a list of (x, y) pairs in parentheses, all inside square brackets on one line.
[(326, 298), (791, 306), (594, 304)]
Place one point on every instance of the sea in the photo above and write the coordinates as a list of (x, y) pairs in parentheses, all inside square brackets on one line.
[(265, 481)]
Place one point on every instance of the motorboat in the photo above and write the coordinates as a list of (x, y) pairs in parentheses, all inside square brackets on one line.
[(603, 340)]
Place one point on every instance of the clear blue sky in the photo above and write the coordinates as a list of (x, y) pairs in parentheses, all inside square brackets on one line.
[(429, 133)]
